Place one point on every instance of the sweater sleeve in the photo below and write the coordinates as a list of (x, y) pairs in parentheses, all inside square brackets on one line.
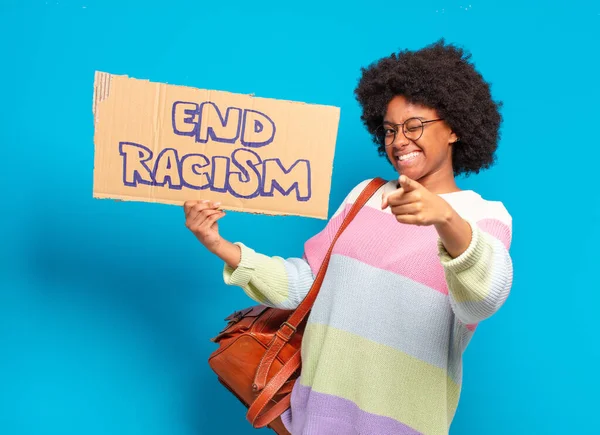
[(283, 283), (272, 281), (480, 279)]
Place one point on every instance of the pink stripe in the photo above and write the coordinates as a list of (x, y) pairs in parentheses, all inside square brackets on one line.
[(316, 247), (498, 229), (376, 238)]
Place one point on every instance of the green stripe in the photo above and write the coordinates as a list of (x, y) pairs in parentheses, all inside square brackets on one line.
[(377, 378), (270, 279), (472, 283), (263, 278)]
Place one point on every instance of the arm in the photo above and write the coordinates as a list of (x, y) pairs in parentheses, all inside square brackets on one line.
[(455, 233), (278, 282), (272, 281), (477, 265), (479, 278)]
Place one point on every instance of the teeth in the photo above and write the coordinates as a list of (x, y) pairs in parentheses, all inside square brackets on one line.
[(408, 156)]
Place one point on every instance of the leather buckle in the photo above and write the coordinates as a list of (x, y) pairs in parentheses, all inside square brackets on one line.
[(233, 316), (281, 334), (237, 315)]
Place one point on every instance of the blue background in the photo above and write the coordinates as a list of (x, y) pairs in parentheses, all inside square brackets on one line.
[(106, 308)]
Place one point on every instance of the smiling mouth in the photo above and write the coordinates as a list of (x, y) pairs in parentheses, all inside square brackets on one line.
[(407, 158)]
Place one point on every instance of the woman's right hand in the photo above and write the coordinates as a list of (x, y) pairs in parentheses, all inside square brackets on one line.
[(201, 219)]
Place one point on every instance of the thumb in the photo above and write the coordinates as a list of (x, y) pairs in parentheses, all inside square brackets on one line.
[(407, 184), (384, 201)]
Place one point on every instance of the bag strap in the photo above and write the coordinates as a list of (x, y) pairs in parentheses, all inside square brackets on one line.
[(288, 328), (255, 414)]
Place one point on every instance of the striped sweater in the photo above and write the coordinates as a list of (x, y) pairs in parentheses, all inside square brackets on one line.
[(382, 350)]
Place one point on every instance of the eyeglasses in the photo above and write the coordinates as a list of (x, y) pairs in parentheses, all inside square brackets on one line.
[(412, 129)]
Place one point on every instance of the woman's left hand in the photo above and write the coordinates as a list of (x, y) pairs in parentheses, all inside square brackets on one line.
[(415, 205)]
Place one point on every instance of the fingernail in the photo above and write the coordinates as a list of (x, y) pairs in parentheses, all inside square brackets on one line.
[(216, 204), (204, 201)]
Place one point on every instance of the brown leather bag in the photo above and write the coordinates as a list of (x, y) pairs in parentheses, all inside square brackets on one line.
[(258, 358)]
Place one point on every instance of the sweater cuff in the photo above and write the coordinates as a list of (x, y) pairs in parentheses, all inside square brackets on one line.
[(241, 275), (468, 258)]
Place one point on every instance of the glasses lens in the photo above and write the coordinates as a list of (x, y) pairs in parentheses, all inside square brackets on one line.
[(385, 135), (413, 128)]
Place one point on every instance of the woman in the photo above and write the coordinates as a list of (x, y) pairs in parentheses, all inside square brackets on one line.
[(418, 268)]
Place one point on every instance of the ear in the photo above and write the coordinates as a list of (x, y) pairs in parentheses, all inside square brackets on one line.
[(453, 138)]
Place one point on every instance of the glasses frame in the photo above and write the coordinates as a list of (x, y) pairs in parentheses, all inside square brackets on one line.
[(395, 128)]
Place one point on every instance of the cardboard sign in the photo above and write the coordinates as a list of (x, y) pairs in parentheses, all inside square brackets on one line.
[(162, 143)]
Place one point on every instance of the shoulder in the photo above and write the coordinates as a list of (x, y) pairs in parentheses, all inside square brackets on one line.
[(354, 192), (389, 186), (490, 215), (470, 204)]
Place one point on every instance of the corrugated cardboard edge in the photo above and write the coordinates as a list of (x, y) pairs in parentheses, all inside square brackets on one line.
[(102, 83), (99, 195)]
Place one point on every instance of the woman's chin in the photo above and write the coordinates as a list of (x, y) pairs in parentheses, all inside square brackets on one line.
[(413, 170), (412, 173)]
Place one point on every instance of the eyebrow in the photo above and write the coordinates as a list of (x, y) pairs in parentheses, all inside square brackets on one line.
[(422, 118)]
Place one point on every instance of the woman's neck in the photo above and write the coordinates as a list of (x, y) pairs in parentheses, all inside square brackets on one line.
[(440, 182)]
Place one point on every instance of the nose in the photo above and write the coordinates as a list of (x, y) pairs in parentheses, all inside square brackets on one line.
[(400, 140)]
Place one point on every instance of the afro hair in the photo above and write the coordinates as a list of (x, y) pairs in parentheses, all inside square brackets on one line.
[(441, 77)]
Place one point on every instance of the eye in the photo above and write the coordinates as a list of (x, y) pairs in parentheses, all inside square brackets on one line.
[(413, 125), (389, 131)]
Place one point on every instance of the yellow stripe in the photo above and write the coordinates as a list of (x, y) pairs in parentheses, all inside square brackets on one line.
[(379, 379), (274, 283), (472, 284), (263, 278)]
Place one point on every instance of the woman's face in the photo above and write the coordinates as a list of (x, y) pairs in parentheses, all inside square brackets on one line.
[(420, 158)]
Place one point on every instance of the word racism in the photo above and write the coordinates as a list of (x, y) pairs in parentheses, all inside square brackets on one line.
[(242, 173)]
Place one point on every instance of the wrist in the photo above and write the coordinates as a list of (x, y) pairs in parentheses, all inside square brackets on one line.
[(455, 234), (229, 252), (217, 246), (447, 219)]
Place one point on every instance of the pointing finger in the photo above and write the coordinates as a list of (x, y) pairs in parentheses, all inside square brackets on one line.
[(407, 184)]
